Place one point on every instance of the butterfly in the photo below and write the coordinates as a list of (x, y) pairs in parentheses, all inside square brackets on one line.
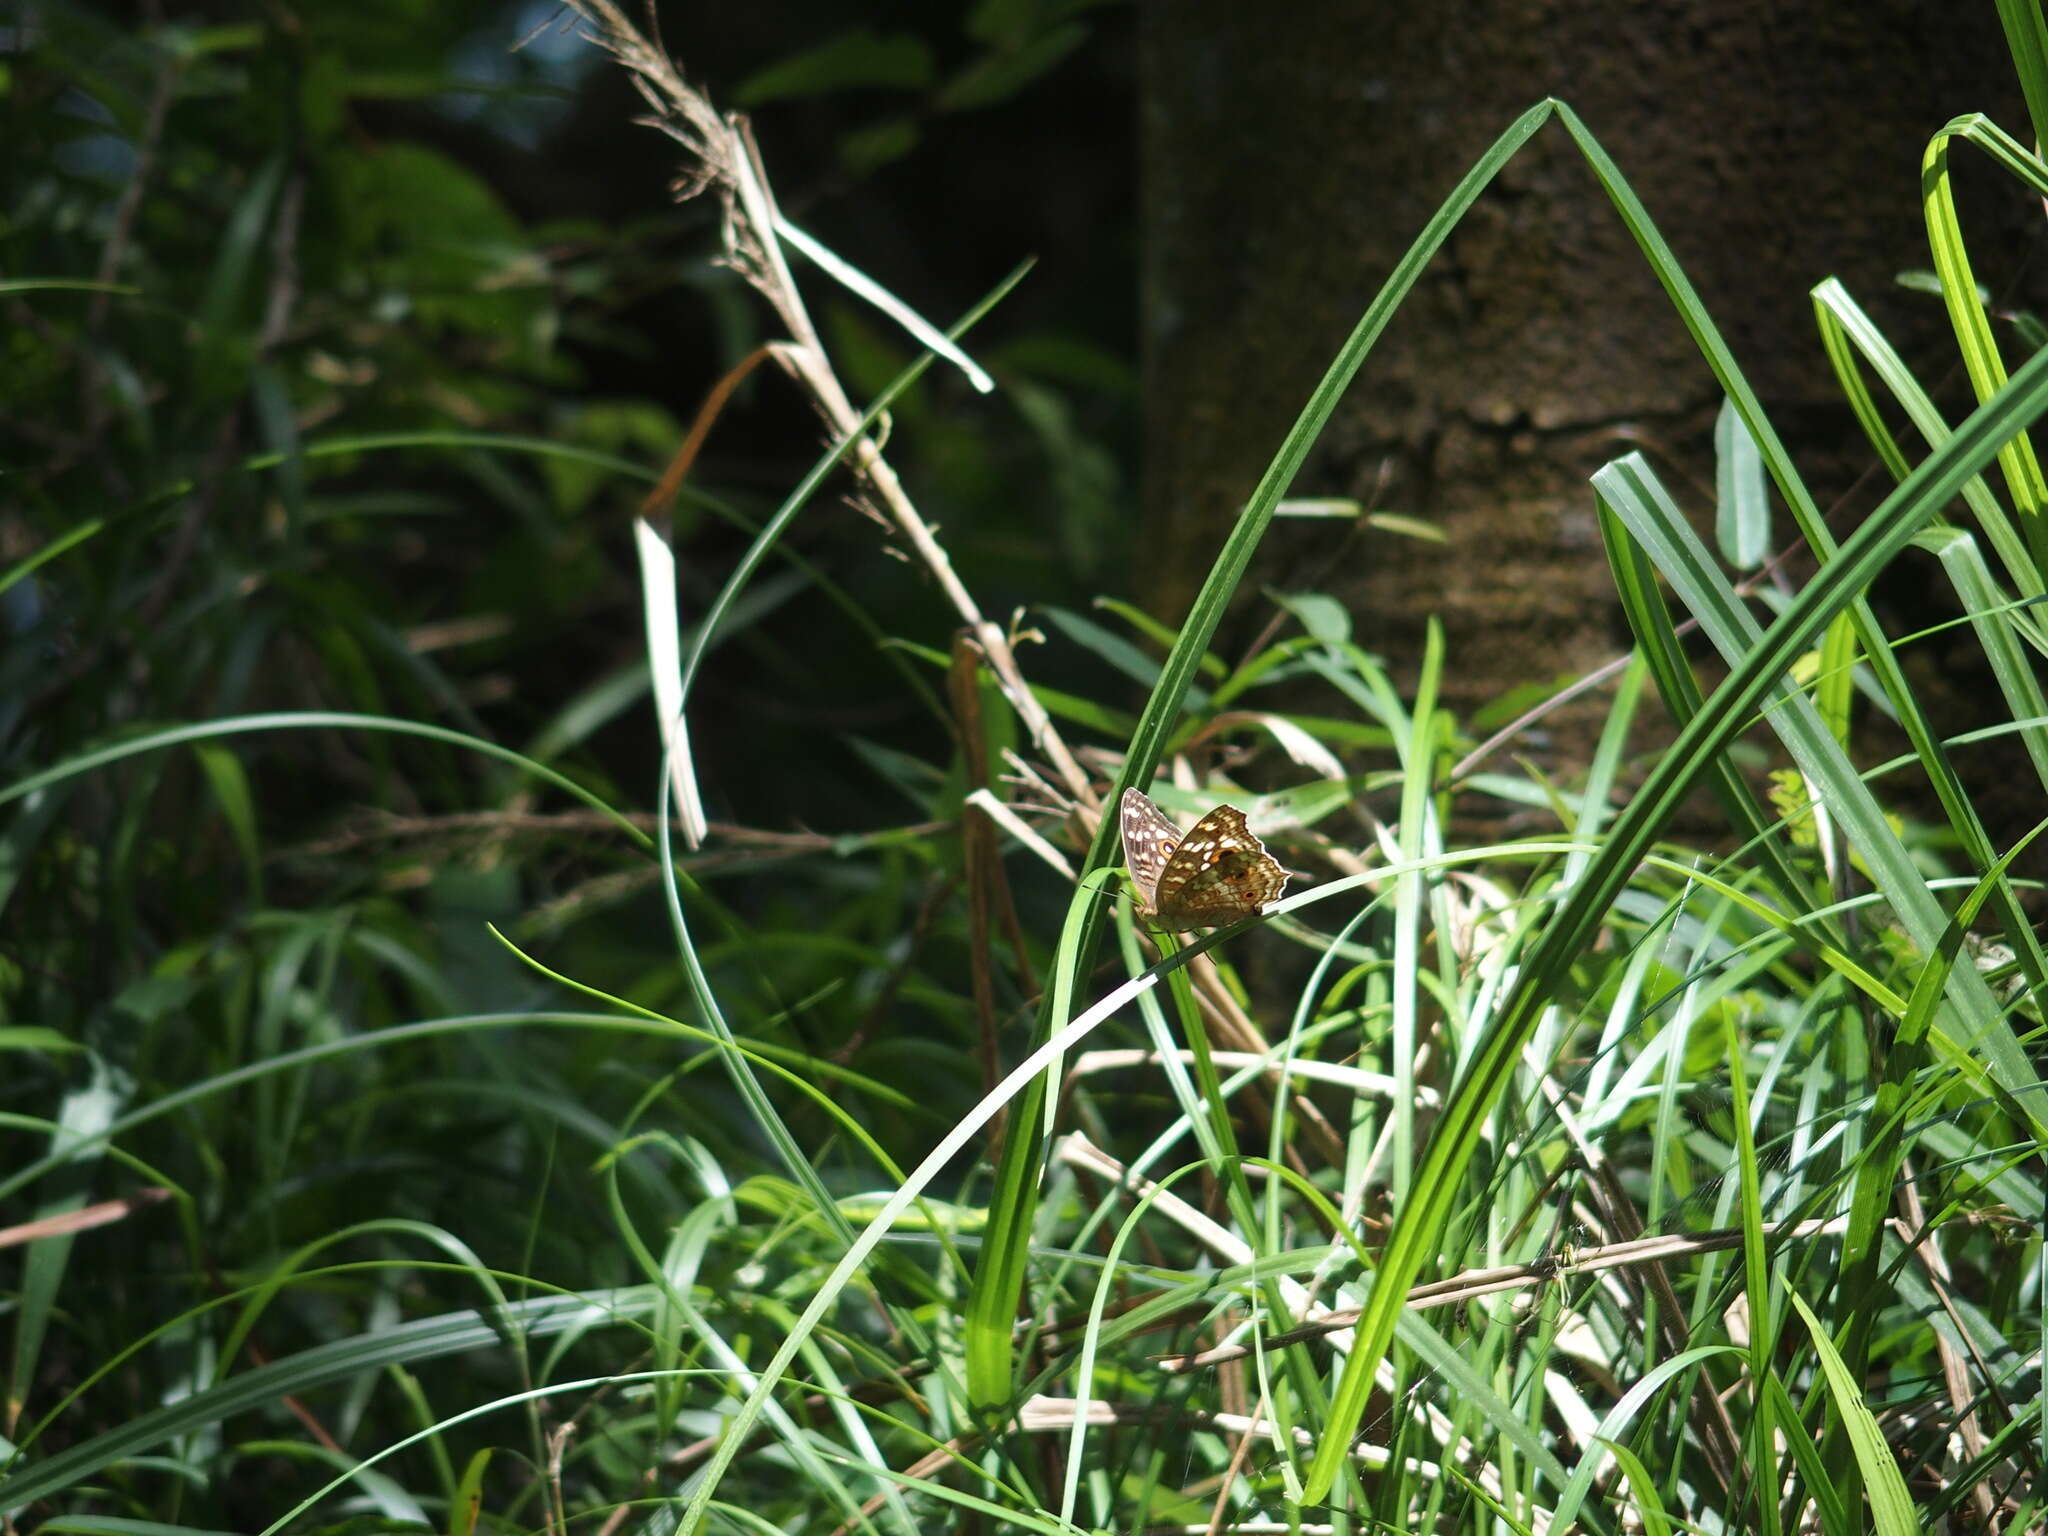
[(1218, 873)]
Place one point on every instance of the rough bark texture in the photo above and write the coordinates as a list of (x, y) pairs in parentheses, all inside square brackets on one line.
[(1292, 153)]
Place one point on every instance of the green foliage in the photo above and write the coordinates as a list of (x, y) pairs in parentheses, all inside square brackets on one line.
[(407, 1127)]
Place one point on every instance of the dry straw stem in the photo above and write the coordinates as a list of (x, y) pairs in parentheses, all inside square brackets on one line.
[(1473, 1283), (724, 157), (1077, 1151)]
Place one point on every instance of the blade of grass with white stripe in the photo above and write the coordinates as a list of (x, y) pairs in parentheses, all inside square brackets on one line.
[(1419, 841), (1812, 527), (1631, 488), (1991, 612), (999, 1279), (2023, 481), (1420, 1222), (1763, 1307), (676, 691), (664, 623), (1891, 1506), (854, 280), (1659, 645), (1844, 326)]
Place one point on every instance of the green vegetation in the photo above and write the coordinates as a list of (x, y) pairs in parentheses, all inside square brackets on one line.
[(420, 1114)]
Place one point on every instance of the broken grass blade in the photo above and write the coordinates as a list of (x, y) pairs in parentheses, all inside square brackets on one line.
[(851, 277)]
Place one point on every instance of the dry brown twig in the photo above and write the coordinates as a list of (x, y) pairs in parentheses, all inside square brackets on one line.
[(724, 157)]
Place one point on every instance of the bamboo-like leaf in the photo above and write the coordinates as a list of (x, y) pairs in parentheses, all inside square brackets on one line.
[(1891, 1505), (2026, 34), (1629, 485), (1420, 1222), (1742, 506), (2023, 479)]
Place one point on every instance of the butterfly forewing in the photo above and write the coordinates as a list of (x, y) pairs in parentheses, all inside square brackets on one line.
[(1149, 841), (1218, 873)]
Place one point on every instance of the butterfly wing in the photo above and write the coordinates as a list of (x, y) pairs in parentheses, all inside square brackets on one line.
[(1217, 874), (1149, 841)]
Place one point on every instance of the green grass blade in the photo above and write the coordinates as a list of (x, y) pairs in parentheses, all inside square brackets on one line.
[(1420, 1223), (993, 1302), (1632, 489), (1663, 650), (1756, 1288), (1891, 1506), (1742, 506), (318, 719), (403, 1344), (1847, 333), (2026, 35), (1991, 613), (2023, 480)]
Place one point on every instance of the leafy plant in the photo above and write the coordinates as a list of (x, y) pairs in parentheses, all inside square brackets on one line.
[(582, 1157)]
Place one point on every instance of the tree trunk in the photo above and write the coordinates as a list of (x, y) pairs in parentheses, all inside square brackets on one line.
[(1291, 156)]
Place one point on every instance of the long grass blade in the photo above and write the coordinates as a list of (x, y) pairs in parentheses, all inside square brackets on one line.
[(993, 1302), (1420, 1223)]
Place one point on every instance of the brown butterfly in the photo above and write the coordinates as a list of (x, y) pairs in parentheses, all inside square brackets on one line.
[(1218, 873)]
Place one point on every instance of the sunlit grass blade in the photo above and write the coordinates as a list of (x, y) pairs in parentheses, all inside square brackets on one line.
[(663, 619), (2023, 479), (1420, 1222), (1891, 1505), (1758, 1293), (994, 1300), (1630, 487), (2026, 35), (1420, 840), (1848, 333), (1991, 613)]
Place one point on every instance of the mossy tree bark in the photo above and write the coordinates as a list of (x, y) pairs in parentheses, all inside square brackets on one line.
[(1291, 155)]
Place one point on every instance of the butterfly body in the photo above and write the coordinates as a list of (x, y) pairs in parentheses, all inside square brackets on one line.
[(1215, 873)]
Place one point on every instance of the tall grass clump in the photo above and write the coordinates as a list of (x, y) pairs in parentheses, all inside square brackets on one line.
[(594, 1165)]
